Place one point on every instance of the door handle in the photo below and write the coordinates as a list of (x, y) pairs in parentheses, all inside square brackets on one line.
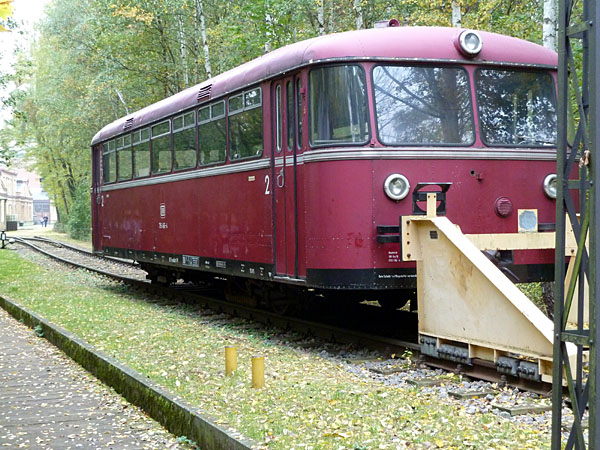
[(281, 178)]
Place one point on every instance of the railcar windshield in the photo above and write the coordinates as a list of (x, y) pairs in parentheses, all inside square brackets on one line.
[(516, 107), (338, 106), (419, 105)]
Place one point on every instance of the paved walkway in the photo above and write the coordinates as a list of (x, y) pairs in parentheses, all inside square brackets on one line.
[(48, 401)]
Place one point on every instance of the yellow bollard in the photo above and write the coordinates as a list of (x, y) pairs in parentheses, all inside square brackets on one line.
[(258, 372), (230, 360)]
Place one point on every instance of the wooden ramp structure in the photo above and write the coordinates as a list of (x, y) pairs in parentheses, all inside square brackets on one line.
[(468, 308)]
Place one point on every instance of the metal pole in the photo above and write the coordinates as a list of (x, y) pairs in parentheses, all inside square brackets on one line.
[(578, 79)]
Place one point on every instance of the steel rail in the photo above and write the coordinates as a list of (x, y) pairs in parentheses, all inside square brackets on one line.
[(80, 250), (324, 331)]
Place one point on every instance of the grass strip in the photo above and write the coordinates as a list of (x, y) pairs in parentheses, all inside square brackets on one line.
[(308, 403)]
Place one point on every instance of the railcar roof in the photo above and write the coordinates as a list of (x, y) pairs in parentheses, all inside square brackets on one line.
[(399, 43)]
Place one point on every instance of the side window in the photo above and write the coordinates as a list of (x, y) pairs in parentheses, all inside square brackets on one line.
[(212, 138), (161, 147), (299, 112), (278, 117), (338, 106), (109, 162), (184, 141), (289, 97), (245, 125), (124, 158), (423, 105), (141, 153)]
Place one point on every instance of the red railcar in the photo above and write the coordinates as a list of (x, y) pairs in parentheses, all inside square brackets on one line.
[(287, 171)]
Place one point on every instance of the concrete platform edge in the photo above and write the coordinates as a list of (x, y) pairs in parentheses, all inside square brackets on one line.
[(178, 417)]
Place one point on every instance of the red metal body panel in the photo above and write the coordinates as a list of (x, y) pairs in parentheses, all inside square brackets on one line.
[(345, 203), (224, 217), (339, 214)]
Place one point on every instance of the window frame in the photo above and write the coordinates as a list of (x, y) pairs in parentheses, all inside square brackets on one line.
[(469, 89), (278, 117), (298, 82), (153, 137), (309, 106), (141, 141), (113, 141), (290, 115), (118, 150), (211, 118), (241, 110), (184, 127), (482, 135)]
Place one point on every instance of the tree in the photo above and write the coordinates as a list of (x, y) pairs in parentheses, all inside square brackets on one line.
[(549, 26), (456, 14), (98, 60)]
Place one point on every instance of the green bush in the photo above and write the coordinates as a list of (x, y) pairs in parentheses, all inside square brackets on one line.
[(59, 227), (79, 222)]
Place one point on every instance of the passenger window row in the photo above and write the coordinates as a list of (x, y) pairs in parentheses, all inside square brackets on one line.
[(182, 142)]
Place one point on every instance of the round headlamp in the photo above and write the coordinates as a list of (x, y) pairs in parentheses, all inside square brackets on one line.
[(550, 185), (396, 186), (470, 43)]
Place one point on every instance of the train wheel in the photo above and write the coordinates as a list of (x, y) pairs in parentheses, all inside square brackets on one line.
[(160, 280), (283, 306)]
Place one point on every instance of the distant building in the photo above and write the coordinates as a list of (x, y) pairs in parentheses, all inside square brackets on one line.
[(22, 198), (16, 201), (42, 205)]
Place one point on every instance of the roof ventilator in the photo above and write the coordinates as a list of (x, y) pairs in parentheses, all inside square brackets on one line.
[(204, 93), (128, 124), (386, 23)]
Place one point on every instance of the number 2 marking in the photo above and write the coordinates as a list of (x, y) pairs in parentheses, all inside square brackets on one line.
[(267, 185)]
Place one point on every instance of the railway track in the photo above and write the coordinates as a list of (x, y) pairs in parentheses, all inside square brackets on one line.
[(210, 298), (128, 273)]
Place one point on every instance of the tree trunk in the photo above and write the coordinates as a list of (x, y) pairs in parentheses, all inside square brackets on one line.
[(207, 68), (456, 14), (120, 95), (183, 52), (548, 297), (321, 16), (549, 27), (359, 14), (197, 39), (269, 23), (58, 215)]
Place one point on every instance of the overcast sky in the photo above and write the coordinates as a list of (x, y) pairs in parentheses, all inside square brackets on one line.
[(26, 13)]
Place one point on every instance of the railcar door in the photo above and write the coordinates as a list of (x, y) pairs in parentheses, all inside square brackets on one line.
[(96, 196), (284, 177)]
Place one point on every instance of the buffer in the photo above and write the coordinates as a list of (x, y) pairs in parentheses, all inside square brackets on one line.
[(468, 308)]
